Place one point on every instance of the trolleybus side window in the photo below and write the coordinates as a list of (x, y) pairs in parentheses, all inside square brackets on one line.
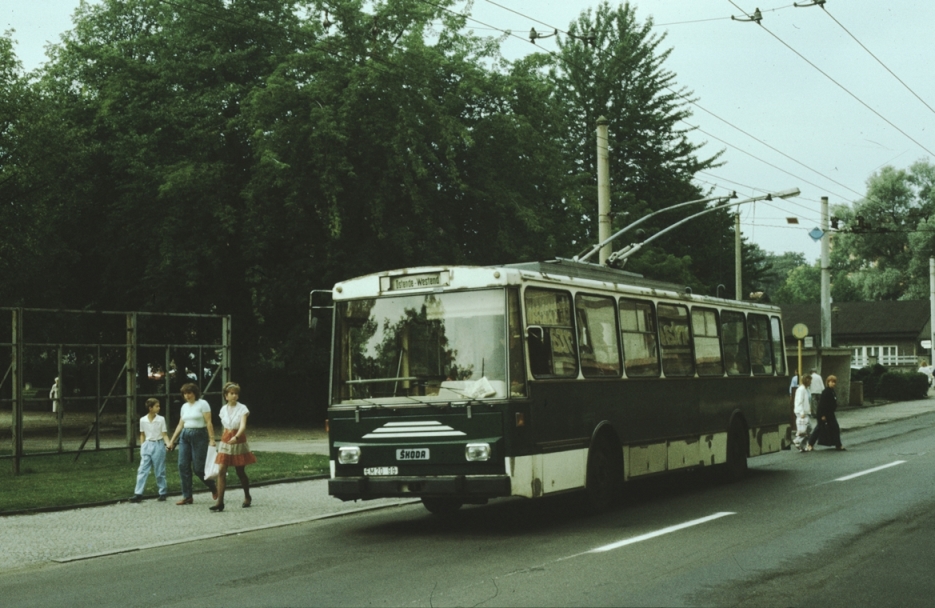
[(550, 334), (734, 336), (638, 337), (517, 367), (707, 342), (597, 335), (776, 337), (761, 356), (675, 338)]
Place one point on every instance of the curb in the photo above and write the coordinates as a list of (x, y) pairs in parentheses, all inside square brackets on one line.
[(117, 501), (65, 560)]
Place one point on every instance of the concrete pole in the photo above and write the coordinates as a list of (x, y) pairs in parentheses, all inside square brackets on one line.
[(603, 191), (825, 279), (932, 307), (738, 283)]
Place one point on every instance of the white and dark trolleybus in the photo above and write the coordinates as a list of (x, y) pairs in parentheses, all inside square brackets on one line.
[(459, 384)]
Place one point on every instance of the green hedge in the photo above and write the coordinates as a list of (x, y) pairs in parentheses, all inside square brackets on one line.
[(902, 386), (879, 383)]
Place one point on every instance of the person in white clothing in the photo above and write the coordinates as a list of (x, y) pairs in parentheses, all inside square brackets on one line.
[(54, 396), (816, 388), (802, 410), (234, 450), (154, 441)]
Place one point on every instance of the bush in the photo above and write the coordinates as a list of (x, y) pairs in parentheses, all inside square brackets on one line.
[(870, 376), (902, 386)]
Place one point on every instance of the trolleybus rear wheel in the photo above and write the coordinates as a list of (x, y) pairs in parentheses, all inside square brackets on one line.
[(441, 506), (737, 446), (605, 473)]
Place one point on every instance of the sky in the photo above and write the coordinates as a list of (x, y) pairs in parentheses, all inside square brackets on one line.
[(806, 99)]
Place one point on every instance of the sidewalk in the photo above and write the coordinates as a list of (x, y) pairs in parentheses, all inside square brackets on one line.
[(63, 536)]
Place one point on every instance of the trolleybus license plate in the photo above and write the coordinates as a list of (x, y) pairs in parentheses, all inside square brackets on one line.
[(413, 454), (381, 470)]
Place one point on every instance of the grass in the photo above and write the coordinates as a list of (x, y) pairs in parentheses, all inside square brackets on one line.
[(55, 481)]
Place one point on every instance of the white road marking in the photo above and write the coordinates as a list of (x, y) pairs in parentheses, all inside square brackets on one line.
[(868, 471), (649, 535)]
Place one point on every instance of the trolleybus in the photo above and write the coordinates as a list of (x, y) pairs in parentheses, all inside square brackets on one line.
[(458, 384)]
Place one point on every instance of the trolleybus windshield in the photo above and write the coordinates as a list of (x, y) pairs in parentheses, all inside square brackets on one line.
[(424, 347)]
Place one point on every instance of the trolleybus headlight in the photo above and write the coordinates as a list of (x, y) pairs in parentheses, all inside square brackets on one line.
[(349, 455), (477, 452)]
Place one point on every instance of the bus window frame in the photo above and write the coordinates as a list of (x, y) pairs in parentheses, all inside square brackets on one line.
[(689, 343), (585, 327), (654, 333), (527, 337), (753, 317), (776, 338), (699, 367), (742, 342)]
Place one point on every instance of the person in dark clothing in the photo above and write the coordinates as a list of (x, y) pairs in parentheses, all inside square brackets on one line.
[(827, 431)]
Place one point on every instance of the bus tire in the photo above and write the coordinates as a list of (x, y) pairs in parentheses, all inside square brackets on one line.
[(441, 505), (738, 444), (604, 474)]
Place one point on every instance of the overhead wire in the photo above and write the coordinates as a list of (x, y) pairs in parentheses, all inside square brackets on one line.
[(878, 60), (838, 84)]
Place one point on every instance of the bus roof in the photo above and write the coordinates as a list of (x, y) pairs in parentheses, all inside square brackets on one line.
[(568, 273)]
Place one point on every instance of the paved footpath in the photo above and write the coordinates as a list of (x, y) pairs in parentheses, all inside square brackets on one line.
[(70, 535)]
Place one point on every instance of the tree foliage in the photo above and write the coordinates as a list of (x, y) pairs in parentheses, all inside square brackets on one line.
[(889, 235), (229, 156)]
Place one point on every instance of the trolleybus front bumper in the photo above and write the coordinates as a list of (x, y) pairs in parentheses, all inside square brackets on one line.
[(467, 487)]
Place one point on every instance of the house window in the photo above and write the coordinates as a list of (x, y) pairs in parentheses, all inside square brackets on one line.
[(863, 356)]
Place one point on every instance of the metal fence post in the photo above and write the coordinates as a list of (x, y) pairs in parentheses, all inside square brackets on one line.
[(131, 383), (17, 386), (226, 352)]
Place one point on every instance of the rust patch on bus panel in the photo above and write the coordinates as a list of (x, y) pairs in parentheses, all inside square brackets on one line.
[(536, 487)]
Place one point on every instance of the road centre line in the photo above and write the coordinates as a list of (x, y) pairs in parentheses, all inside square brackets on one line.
[(868, 471), (663, 531)]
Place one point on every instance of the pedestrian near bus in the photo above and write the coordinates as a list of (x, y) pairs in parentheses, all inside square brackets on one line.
[(154, 442), (234, 450), (802, 410), (816, 388), (827, 431), (193, 435)]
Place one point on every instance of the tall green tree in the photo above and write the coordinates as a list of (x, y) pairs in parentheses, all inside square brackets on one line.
[(612, 65), (888, 236)]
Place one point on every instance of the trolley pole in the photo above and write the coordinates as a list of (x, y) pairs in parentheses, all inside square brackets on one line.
[(603, 191)]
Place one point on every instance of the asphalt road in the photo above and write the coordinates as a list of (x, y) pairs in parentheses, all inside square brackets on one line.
[(827, 528)]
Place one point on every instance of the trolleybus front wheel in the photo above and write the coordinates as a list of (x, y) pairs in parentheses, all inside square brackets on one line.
[(441, 506)]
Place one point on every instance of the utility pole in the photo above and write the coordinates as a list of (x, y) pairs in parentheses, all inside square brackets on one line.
[(932, 309), (825, 280), (738, 285), (603, 191)]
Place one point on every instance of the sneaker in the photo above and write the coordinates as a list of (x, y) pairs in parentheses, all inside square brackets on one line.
[(162, 498), (136, 498)]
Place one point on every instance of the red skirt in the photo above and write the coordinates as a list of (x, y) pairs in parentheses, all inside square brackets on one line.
[(234, 453)]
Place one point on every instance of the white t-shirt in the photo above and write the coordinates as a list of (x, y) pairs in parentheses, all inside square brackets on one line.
[(153, 430), (230, 416), (817, 385), (193, 414)]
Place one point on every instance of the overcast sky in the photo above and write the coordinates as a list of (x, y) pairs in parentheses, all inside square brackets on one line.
[(823, 133)]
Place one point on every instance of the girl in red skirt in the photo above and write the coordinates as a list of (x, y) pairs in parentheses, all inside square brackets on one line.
[(233, 450)]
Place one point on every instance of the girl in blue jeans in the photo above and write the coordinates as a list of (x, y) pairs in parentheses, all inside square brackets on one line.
[(194, 434)]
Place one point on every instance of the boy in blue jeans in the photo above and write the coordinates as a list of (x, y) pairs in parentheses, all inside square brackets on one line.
[(153, 444)]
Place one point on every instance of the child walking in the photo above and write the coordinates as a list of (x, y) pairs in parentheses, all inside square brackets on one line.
[(154, 442)]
